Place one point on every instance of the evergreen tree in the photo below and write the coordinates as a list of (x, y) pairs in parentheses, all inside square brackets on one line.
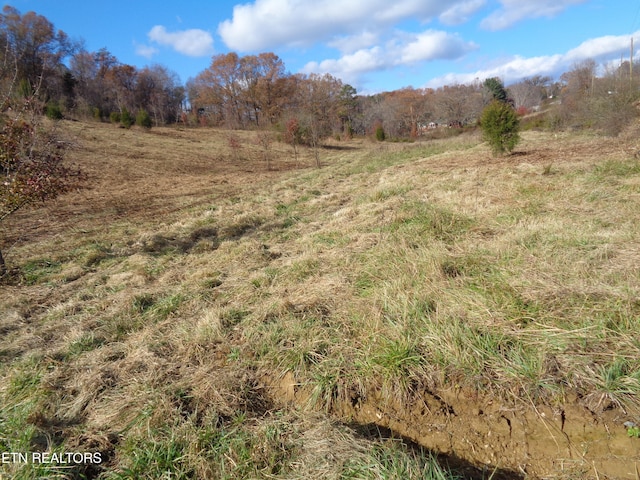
[(500, 127), (495, 86)]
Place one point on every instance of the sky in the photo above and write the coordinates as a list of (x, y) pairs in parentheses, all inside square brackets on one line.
[(373, 45)]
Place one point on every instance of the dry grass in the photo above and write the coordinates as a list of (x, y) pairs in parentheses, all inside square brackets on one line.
[(155, 311)]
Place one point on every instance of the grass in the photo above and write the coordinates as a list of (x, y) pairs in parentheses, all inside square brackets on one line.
[(393, 269)]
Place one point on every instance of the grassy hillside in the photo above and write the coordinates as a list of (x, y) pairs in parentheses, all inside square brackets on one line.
[(197, 313)]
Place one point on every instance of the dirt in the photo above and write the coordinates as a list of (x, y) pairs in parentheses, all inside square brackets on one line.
[(512, 440)]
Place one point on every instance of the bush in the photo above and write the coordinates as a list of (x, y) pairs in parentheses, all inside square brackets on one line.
[(380, 135), (125, 118), (500, 127), (143, 119), (53, 111), (114, 117)]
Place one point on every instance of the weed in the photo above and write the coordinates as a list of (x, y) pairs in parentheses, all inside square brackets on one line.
[(233, 316), (422, 219), (142, 302), (38, 271), (86, 343), (633, 432)]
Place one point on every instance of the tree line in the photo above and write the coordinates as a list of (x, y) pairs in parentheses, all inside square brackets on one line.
[(256, 91)]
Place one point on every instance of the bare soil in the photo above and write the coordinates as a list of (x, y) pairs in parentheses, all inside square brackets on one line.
[(507, 439)]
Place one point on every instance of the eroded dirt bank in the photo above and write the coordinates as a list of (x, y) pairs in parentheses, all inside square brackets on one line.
[(517, 441)]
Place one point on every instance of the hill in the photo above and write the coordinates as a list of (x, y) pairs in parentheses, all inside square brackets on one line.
[(406, 310)]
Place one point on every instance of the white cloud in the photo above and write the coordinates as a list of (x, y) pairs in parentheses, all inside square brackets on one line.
[(513, 11), (601, 49), (353, 43), (266, 24), (433, 45), (460, 13), (193, 42), (146, 51), (404, 49), (349, 67)]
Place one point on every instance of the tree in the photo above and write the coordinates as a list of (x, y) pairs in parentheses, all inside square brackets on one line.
[(32, 49), (158, 92), (31, 164), (217, 90), (529, 92), (459, 103), (496, 88), (348, 108), (500, 127), (293, 135), (318, 99), (143, 119)]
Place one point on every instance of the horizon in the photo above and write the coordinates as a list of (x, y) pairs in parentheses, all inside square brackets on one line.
[(373, 47)]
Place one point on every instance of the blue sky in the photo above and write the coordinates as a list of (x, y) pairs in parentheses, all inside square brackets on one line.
[(374, 45)]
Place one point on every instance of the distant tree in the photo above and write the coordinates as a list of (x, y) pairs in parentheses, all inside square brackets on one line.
[(500, 127), (217, 90), (529, 92), (235, 145), (32, 49), (158, 91), (125, 118), (459, 103), (293, 135), (317, 102), (496, 88), (347, 109), (264, 140), (143, 119)]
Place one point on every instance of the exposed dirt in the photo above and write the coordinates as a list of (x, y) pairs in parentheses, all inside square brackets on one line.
[(514, 440)]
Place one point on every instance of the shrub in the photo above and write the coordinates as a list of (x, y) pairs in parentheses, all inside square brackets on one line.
[(500, 127), (31, 167), (380, 135), (53, 111), (114, 117), (143, 119), (125, 118)]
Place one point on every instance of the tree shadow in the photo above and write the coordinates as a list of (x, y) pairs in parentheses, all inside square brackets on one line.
[(452, 463)]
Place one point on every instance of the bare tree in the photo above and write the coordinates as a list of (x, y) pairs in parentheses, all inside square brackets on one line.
[(529, 92)]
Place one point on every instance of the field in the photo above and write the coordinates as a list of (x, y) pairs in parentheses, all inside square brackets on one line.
[(408, 310)]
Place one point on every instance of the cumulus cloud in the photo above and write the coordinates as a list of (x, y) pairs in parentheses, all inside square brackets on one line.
[(432, 45), (193, 42), (601, 49), (266, 24), (513, 11), (349, 67), (403, 49)]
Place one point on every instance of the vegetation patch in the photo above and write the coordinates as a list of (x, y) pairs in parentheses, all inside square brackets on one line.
[(510, 288)]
